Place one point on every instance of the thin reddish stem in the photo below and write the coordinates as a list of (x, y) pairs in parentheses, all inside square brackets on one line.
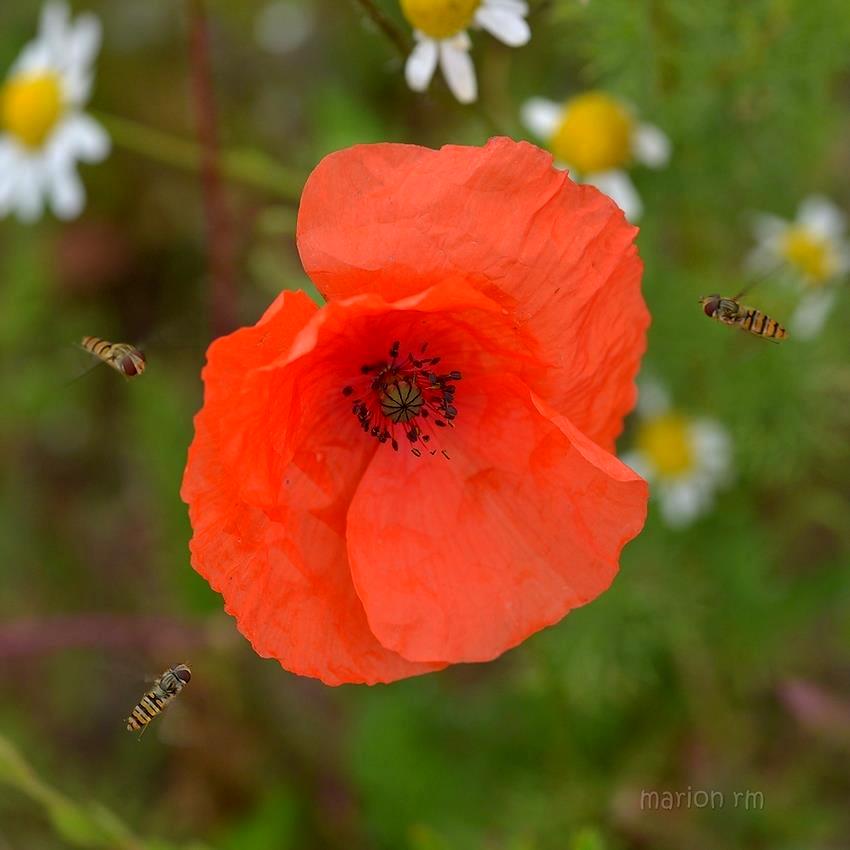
[(219, 232)]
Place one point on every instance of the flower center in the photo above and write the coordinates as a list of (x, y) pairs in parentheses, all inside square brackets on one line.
[(30, 106), (665, 441), (439, 18), (595, 134), (398, 400), (810, 255), (401, 401)]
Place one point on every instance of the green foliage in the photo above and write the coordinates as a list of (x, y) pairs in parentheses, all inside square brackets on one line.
[(678, 677), (78, 824)]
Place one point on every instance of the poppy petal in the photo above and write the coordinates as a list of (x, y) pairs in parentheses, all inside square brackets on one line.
[(287, 582), (463, 559), (396, 219), (269, 534)]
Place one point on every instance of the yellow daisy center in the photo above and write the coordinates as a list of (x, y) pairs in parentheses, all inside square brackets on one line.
[(30, 106), (594, 135), (810, 255), (439, 18), (665, 441)]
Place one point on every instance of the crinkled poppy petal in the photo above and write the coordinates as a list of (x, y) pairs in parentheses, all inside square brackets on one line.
[(287, 582), (460, 560), (396, 219), (273, 544)]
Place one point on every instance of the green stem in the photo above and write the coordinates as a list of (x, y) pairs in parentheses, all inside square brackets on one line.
[(79, 824), (398, 39), (247, 166)]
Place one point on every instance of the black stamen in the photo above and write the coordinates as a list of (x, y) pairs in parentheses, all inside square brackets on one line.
[(399, 390)]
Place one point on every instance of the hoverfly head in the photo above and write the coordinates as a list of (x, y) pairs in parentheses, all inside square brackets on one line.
[(710, 303), (132, 363)]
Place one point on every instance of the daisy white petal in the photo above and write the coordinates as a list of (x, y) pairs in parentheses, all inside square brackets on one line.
[(518, 7), (33, 58), (542, 116), (8, 180), (713, 449), (619, 187), (682, 502), (420, 65), (8, 154), (458, 68), (762, 259), (651, 146), (504, 24), (85, 40), (821, 217), (769, 228), (84, 138), (54, 27), (28, 201), (810, 316), (653, 398), (65, 190), (769, 232), (78, 87)]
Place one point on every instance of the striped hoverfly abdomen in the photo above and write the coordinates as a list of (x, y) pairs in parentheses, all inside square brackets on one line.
[(122, 357), (164, 689), (729, 311)]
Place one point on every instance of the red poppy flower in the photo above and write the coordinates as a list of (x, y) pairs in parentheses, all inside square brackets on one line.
[(419, 473)]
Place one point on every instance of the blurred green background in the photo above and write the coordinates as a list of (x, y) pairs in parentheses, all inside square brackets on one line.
[(719, 660)]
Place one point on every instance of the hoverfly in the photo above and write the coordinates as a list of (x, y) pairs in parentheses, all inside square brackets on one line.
[(122, 357), (164, 689), (730, 311)]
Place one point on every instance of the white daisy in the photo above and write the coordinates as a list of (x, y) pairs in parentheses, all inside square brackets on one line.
[(439, 27), (814, 248), (685, 459), (43, 130), (597, 137)]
